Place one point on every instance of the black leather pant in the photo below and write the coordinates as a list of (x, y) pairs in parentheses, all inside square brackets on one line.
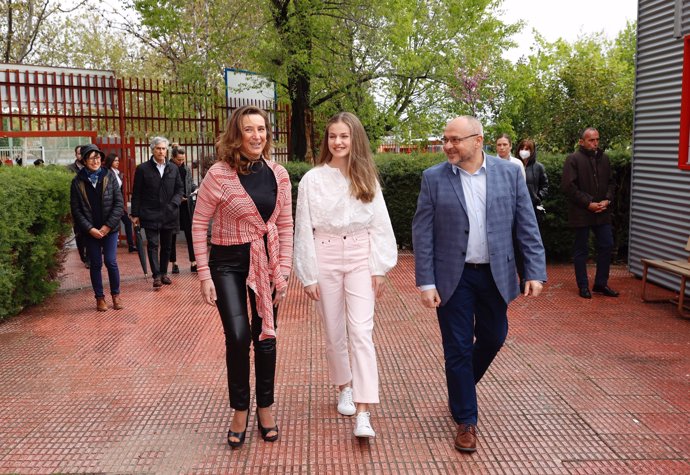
[(229, 267)]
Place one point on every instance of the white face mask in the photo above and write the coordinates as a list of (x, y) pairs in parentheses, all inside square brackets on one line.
[(524, 154)]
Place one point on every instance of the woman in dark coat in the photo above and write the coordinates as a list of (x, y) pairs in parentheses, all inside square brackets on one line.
[(97, 207), (112, 162), (186, 210), (535, 174)]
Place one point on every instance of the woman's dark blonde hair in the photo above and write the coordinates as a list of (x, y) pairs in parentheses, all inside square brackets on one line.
[(229, 143), (360, 166)]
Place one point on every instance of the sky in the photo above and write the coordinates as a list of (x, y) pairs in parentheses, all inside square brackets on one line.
[(565, 19)]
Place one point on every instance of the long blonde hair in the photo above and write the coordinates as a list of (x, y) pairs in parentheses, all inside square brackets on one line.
[(229, 143), (361, 168)]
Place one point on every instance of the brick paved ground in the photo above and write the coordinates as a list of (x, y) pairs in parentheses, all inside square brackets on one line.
[(596, 386)]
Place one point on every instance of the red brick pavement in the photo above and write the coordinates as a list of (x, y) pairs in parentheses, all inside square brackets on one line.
[(596, 386)]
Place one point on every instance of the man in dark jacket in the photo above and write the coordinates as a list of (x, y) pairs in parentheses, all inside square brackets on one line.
[(79, 239), (156, 197), (588, 183)]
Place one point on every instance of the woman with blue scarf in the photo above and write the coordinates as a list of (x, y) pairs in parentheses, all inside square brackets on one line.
[(97, 207)]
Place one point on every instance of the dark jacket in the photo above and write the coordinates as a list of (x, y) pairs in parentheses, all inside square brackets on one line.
[(112, 204), (587, 178), (188, 188), (537, 181), (155, 199), (73, 167)]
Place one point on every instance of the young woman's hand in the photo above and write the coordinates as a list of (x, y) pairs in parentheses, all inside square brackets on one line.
[(312, 291), (378, 283)]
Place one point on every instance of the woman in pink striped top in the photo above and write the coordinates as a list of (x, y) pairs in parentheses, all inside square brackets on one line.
[(248, 197)]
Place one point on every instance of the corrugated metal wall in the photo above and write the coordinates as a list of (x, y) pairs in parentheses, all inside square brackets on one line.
[(660, 201)]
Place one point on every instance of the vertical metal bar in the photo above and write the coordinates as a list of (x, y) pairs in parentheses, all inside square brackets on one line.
[(64, 102), (89, 89)]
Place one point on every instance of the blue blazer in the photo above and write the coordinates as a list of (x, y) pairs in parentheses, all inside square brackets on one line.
[(440, 229)]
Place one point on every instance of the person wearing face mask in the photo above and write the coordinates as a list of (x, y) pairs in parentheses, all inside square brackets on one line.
[(503, 146), (344, 247), (589, 184), (248, 197), (535, 175)]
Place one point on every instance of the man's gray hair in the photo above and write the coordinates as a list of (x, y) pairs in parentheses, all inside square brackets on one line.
[(156, 140)]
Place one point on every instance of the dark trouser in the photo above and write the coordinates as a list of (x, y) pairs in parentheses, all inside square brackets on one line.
[(128, 230), (99, 250), (186, 227), (604, 246), (80, 242), (156, 238), (474, 325), (229, 266)]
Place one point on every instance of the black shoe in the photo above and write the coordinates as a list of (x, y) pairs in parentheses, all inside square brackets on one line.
[(585, 293), (175, 269), (193, 268), (132, 249), (240, 436), (166, 280), (265, 430), (605, 290), (87, 265)]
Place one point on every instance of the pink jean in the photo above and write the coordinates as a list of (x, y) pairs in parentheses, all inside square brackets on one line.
[(347, 311)]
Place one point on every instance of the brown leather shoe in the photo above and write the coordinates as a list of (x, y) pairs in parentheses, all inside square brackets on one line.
[(101, 306), (157, 284), (466, 440), (165, 279), (117, 303)]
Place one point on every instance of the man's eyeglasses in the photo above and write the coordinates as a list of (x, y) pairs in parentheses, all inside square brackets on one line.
[(456, 140)]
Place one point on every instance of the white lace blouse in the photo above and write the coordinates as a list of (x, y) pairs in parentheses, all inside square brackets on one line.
[(325, 205)]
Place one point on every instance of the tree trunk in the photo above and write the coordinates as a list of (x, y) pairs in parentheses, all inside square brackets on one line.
[(299, 86)]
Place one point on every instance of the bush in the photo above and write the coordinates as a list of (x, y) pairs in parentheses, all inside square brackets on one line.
[(401, 178), (35, 223)]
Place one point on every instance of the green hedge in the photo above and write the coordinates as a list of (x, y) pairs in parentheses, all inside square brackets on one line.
[(401, 177), (34, 217)]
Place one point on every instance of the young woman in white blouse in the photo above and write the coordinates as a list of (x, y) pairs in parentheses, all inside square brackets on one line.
[(344, 245)]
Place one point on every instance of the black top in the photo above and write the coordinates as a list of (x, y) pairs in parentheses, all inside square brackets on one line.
[(261, 186)]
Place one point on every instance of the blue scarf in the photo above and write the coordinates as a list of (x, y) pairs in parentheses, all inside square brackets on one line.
[(94, 176)]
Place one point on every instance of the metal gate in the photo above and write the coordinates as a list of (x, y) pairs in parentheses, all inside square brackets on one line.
[(120, 114)]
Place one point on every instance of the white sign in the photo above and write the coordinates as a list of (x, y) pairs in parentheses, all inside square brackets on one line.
[(248, 86)]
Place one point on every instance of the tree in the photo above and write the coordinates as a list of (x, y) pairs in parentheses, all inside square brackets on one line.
[(562, 88), (28, 27), (385, 60)]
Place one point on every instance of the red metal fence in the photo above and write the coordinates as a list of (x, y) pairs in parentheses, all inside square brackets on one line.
[(123, 114)]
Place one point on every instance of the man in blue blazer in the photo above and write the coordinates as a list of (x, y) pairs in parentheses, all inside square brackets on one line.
[(462, 234)]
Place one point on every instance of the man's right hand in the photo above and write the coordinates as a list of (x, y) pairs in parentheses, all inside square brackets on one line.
[(598, 207), (430, 298), (135, 220)]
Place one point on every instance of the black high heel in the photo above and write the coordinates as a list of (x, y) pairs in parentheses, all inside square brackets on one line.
[(265, 430), (239, 435)]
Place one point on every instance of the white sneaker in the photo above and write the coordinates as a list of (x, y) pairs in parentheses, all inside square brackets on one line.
[(363, 426), (346, 406)]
